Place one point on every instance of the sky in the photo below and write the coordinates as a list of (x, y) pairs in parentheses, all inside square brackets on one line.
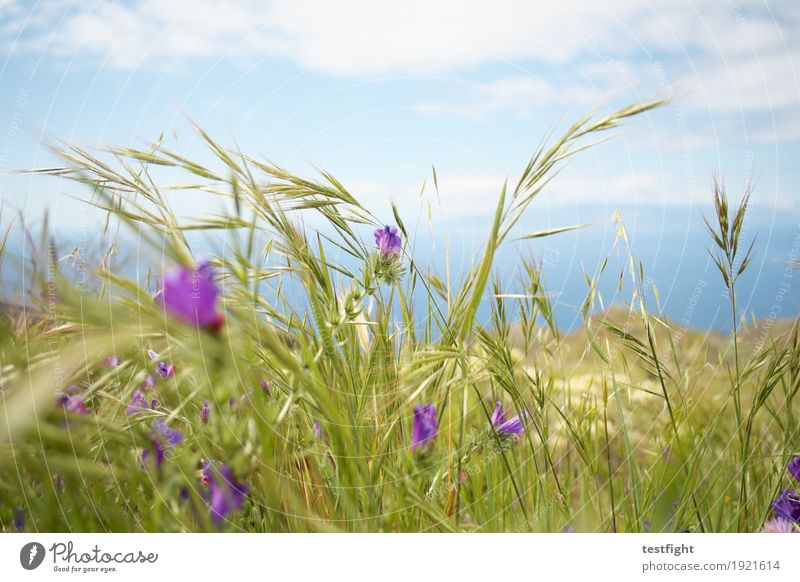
[(378, 92)]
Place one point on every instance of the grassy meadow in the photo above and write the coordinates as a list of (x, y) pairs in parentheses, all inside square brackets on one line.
[(269, 388)]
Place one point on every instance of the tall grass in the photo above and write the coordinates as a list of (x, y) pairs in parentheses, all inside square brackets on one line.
[(312, 380)]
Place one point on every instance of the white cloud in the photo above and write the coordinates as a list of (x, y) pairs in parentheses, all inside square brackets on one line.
[(458, 196), (781, 131), (355, 37), (748, 83), (525, 96), (463, 196), (361, 37), (143, 33), (348, 37), (728, 56)]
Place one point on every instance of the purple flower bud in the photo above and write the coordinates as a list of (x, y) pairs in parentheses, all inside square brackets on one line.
[(317, 430), (265, 386), (205, 412), (794, 468), (787, 506), (19, 519), (205, 475), (73, 404), (388, 241), (190, 295), (148, 383), (111, 361), (165, 370), (425, 426), (503, 426), (138, 403), (225, 493)]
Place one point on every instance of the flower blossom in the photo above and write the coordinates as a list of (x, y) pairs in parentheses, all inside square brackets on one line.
[(503, 426), (139, 403), (794, 468), (787, 506), (225, 493), (162, 438), (425, 426), (190, 295), (164, 369), (388, 241), (73, 404)]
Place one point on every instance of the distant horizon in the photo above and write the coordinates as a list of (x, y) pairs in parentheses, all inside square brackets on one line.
[(690, 288)]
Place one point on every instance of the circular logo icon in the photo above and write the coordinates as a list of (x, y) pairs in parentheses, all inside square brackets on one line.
[(31, 555)]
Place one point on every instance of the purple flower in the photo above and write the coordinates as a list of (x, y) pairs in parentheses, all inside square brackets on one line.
[(503, 426), (139, 403), (787, 506), (73, 404), (173, 437), (190, 295), (794, 468), (205, 412), (424, 427), (243, 400), (111, 361), (388, 241), (19, 519), (266, 386), (225, 493), (165, 370), (205, 473), (162, 438), (148, 383), (317, 430), (778, 525)]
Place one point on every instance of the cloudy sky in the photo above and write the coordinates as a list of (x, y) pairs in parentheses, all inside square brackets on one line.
[(377, 92)]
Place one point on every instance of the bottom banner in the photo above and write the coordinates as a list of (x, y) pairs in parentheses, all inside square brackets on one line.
[(406, 557)]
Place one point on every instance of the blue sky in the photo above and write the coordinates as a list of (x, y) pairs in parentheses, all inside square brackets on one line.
[(378, 92)]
